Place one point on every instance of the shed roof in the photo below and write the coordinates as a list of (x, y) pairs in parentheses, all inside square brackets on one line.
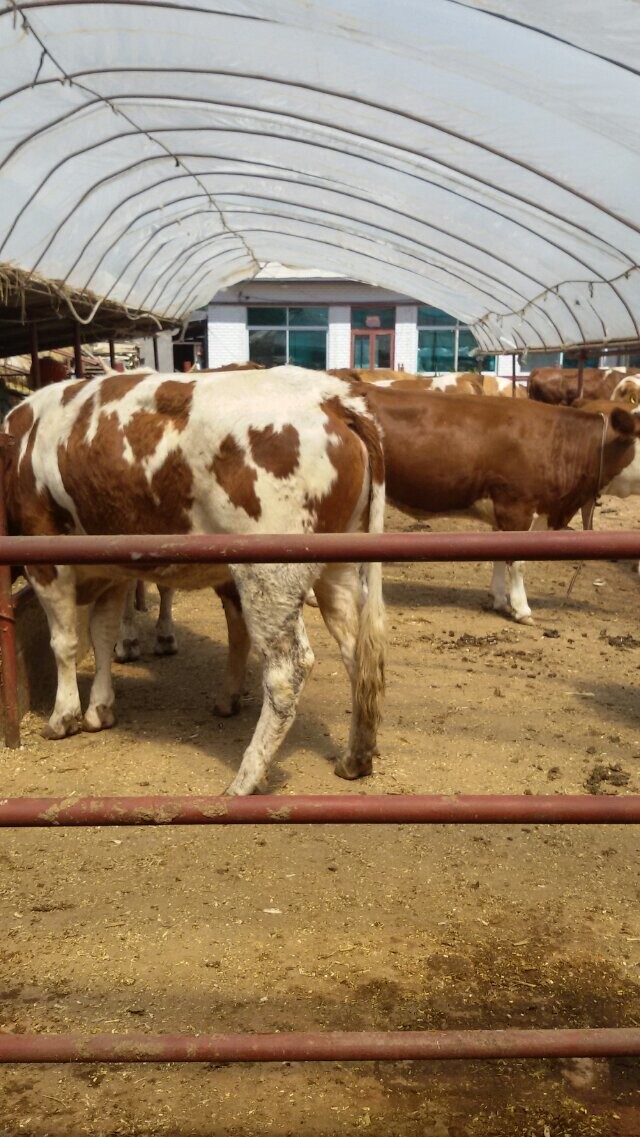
[(479, 156)]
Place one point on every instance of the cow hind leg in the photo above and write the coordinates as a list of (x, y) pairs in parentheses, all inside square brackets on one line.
[(104, 623), (517, 594), (499, 587), (58, 598), (340, 599), (127, 648), (228, 701), (165, 632), (272, 597)]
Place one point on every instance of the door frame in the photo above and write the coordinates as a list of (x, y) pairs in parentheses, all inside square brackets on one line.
[(372, 333)]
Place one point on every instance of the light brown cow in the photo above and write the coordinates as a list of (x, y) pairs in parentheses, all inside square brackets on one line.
[(289, 451), (456, 383), (559, 386), (513, 464)]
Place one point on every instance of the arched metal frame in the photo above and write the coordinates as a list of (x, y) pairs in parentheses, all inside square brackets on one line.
[(482, 161)]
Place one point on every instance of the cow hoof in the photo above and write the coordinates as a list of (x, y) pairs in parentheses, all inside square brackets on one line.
[(225, 708), (350, 770), (127, 651), (165, 645), (98, 718), (310, 599), (241, 787), (64, 727), (524, 620)]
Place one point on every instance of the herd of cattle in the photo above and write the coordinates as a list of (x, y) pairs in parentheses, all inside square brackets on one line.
[(288, 450)]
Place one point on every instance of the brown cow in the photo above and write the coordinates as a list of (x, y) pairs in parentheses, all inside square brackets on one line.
[(456, 383), (559, 386), (290, 451), (511, 463)]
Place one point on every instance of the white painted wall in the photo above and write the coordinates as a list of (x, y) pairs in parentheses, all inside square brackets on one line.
[(227, 335), (406, 352), (339, 337)]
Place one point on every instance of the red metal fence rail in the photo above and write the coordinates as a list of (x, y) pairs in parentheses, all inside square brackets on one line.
[(145, 552), (352, 809)]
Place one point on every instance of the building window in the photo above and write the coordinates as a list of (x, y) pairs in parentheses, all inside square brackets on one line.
[(288, 335), (572, 361), (534, 359), (444, 344)]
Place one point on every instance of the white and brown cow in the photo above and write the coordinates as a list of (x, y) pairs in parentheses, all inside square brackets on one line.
[(287, 451), (511, 463), (627, 391)]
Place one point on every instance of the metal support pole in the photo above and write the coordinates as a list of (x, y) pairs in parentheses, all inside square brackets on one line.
[(35, 358), (156, 354), (353, 809), (77, 352), (513, 375), (112, 353), (329, 1046), (8, 651), (581, 359)]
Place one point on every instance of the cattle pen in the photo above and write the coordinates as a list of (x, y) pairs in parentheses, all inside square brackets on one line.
[(273, 810)]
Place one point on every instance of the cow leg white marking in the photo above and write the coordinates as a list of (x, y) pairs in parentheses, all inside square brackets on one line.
[(165, 632), (59, 602), (517, 595), (228, 701), (340, 599), (127, 646), (104, 622), (499, 586), (272, 597)]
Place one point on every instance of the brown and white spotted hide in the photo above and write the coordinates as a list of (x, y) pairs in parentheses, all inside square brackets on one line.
[(283, 451), (627, 391), (510, 463)]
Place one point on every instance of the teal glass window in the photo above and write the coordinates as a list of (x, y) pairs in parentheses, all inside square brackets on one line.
[(308, 349), (295, 335), (434, 316), (268, 346), (370, 319), (308, 317), (436, 350), (266, 317)]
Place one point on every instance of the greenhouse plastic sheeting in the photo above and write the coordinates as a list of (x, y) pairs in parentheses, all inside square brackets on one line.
[(482, 157)]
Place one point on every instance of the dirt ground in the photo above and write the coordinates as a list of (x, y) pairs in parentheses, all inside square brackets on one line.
[(217, 929)]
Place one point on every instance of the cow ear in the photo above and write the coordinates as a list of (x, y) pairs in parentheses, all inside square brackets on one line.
[(624, 422)]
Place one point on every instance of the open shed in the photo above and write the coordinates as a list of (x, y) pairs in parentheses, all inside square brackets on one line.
[(480, 156)]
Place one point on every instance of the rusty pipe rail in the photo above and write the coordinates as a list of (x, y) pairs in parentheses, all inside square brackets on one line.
[(362, 809), (329, 1046), (147, 552)]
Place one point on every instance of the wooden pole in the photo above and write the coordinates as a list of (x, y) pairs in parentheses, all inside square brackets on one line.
[(77, 352), (513, 375), (581, 359), (35, 358), (8, 648), (112, 353)]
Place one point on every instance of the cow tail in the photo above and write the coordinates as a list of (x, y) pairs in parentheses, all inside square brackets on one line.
[(370, 644)]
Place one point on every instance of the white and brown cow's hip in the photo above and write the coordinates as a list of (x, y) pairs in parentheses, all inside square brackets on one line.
[(288, 451)]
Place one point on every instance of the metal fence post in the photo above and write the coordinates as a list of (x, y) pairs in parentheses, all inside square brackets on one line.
[(8, 652)]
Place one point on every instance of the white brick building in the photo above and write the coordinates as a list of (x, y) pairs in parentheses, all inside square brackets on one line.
[(319, 320)]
